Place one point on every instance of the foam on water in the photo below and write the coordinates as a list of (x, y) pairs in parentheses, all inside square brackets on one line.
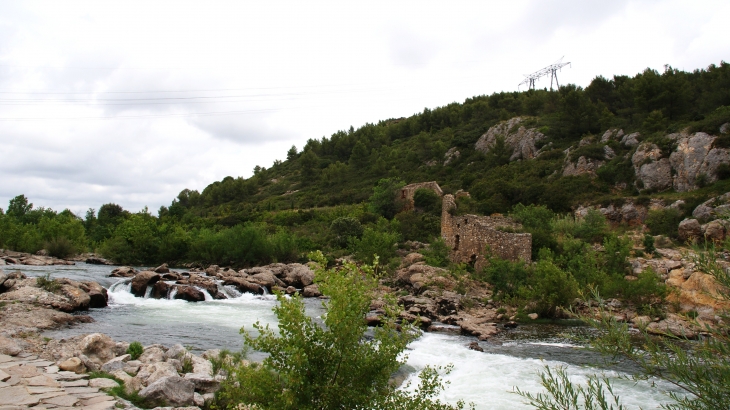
[(488, 379)]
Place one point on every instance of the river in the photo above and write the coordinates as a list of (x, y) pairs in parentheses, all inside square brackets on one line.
[(485, 378)]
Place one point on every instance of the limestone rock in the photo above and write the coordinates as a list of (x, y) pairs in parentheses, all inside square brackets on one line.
[(162, 268), (123, 272), (672, 326), (690, 229), (174, 390), (582, 166), (243, 285), (98, 347), (518, 138), (9, 346), (311, 291), (98, 296), (142, 280), (203, 382), (631, 140), (152, 354), (103, 383), (116, 363), (451, 155), (714, 231), (696, 158), (73, 364), (651, 169), (190, 294)]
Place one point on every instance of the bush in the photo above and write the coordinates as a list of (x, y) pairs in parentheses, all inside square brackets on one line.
[(345, 228), (437, 253), (60, 247), (418, 226), (310, 366), (385, 200), (617, 251), (506, 277), (664, 222), (551, 288), (649, 244), (427, 200), (593, 227), (135, 350), (372, 243)]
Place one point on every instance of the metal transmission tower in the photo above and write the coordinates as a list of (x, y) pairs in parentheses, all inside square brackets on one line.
[(551, 70)]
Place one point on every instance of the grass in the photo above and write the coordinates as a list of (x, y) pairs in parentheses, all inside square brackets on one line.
[(48, 284), (135, 350)]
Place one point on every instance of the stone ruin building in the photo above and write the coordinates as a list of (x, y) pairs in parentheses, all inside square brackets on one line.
[(407, 192), (470, 236)]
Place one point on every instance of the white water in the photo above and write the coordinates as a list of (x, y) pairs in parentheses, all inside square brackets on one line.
[(486, 379)]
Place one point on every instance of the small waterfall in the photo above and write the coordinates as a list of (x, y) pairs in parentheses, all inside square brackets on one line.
[(172, 293), (264, 290), (124, 284), (230, 291), (147, 292), (205, 293)]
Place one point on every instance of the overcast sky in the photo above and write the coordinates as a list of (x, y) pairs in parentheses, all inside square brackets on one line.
[(131, 102)]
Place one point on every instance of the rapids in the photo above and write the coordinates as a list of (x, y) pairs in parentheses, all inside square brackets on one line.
[(487, 379)]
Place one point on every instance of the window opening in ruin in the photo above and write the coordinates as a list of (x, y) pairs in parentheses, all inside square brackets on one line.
[(403, 194), (456, 244), (466, 221)]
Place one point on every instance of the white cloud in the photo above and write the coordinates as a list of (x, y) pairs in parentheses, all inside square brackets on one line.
[(129, 74)]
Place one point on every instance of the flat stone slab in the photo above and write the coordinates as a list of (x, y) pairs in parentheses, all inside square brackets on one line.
[(5, 358), (41, 390), (105, 405), (90, 395), (50, 394), (70, 377), (41, 363), (97, 399), (22, 371), (76, 383), (52, 369), (81, 390), (66, 401), (42, 380), (103, 383), (16, 395), (3, 376)]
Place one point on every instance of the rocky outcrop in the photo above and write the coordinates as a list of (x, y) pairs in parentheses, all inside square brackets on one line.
[(690, 230), (143, 279), (70, 296), (123, 272), (652, 171), (631, 140), (696, 160), (582, 166), (451, 155), (519, 139)]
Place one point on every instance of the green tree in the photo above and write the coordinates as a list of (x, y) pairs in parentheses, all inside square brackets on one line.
[(385, 200), (19, 206), (329, 366)]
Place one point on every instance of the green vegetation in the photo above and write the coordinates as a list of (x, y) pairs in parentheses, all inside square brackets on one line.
[(700, 370), (135, 350), (47, 283), (334, 366)]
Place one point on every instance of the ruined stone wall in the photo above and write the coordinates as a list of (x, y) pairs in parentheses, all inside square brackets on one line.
[(469, 236), (406, 193)]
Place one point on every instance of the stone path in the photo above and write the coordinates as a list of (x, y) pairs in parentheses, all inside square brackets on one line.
[(29, 382)]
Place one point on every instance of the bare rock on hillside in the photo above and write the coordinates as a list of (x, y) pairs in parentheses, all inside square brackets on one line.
[(582, 166), (696, 161), (654, 172), (612, 134), (451, 155), (518, 138), (690, 229), (631, 140)]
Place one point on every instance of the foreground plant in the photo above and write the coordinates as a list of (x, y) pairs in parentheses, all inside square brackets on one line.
[(330, 365), (701, 373)]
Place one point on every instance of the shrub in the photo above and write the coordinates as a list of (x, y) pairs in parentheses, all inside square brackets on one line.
[(418, 226), (332, 366), (617, 251), (593, 227), (437, 253), (663, 222), (427, 200), (345, 228), (135, 350), (60, 247), (374, 242), (384, 200), (506, 277), (46, 283), (551, 287), (649, 244)]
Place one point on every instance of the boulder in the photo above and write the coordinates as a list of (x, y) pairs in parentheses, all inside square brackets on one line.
[(73, 364), (451, 155), (9, 346), (203, 282), (159, 371), (704, 211), (672, 326), (79, 299), (98, 347), (98, 296), (174, 390), (161, 290), (142, 280), (311, 291), (176, 352), (714, 231), (211, 270), (689, 230), (631, 140), (115, 364), (152, 354), (123, 272), (189, 293), (519, 139), (97, 261), (266, 279), (103, 383), (243, 285), (475, 346), (582, 166), (162, 269)]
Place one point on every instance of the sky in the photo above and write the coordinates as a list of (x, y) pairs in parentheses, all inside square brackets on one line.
[(130, 102)]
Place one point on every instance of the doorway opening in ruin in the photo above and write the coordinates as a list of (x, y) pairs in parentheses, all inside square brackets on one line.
[(472, 260), (403, 194), (456, 242)]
